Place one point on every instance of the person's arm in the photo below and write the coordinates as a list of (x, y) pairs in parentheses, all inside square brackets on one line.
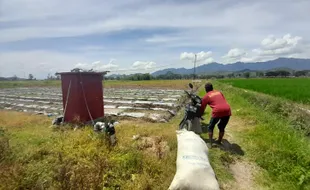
[(204, 104)]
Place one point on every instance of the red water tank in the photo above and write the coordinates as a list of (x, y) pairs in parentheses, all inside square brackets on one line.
[(82, 95)]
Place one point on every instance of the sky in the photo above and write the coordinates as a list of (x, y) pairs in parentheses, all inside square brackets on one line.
[(43, 37)]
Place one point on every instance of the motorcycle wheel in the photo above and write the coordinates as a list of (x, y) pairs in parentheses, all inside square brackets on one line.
[(186, 125)]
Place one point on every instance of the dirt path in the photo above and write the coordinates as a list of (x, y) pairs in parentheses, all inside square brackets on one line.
[(242, 170)]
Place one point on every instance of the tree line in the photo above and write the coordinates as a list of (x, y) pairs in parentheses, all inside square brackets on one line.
[(248, 74), (173, 76), (277, 73)]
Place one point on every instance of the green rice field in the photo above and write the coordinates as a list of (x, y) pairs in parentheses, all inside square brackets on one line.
[(296, 89)]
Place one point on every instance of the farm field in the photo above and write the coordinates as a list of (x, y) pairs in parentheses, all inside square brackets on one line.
[(156, 100), (34, 155), (295, 89), (164, 84), (156, 105)]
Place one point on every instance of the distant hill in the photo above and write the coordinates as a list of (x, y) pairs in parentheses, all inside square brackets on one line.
[(287, 63), (122, 75), (3, 78), (282, 69)]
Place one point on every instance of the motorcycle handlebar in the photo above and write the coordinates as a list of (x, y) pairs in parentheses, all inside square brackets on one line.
[(188, 94)]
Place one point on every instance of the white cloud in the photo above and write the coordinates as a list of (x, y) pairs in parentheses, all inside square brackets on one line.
[(271, 43), (39, 63), (270, 48), (110, 66), (187, 56), (234, 55), (201, 56), (162, 29), (98, 66), (209, 60), (285, 46), (83, 66), (143, 65), (56, 18)]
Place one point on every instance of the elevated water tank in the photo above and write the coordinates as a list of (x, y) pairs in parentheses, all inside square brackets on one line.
[(82, 95)]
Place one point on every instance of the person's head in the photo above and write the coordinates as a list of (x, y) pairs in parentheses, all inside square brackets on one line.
[(208, 87)]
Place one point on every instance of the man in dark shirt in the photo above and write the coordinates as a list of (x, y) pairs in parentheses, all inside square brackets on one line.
[(220, 111)]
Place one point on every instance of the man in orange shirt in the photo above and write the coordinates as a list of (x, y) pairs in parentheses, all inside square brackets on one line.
[(220, 111)]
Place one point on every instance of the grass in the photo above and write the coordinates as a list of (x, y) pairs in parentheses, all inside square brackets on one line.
[(281, 151), (16, 84), (285, 110), (219, 159), (295, 89), (37, 156), (166, 84), (43, 157), (32, 155)]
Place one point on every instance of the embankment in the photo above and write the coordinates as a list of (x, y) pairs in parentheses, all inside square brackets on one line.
[(274, 137)]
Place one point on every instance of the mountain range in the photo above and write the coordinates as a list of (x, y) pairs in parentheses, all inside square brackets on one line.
[(288, 63)]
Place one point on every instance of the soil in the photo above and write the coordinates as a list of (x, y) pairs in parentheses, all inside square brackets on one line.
[(154, 145), (243, 173), (242, 170)]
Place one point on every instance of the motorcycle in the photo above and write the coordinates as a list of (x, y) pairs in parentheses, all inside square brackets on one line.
[(192, 110)]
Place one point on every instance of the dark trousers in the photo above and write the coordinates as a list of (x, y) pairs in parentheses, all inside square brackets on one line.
[(222, 123)]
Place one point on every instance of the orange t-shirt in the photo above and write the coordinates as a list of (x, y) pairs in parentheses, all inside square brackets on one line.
[(216, 100)]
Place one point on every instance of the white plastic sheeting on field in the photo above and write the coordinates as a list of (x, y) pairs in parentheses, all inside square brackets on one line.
[(136, 103), (193, 167)]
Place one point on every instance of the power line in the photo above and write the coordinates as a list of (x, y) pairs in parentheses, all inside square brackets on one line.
[(195, 66)]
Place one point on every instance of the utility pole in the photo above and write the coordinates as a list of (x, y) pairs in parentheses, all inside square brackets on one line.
[(195, 67)]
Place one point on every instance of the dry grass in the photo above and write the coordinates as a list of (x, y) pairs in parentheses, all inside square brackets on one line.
[(42, 157), (16, 84), (34, 156)]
